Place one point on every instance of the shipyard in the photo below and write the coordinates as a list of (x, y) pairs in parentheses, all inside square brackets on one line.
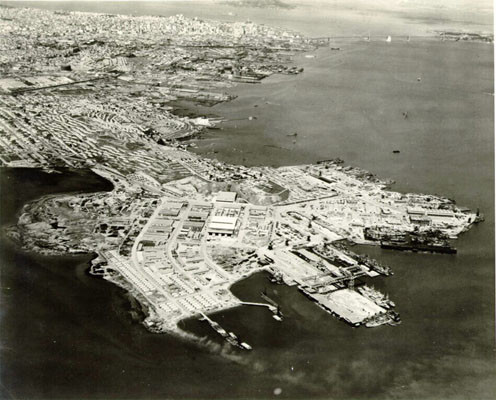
[(247, 199), (179, 247), (178, 229)]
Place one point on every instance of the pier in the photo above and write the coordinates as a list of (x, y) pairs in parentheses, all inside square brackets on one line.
[(268, 299), (229, 337), (349, 306), (269, 306)]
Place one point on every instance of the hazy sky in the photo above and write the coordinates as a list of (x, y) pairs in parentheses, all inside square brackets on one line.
[(312, 17)]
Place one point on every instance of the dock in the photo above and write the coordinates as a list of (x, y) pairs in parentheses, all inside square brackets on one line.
[(349, 306), (277, 315), (268, 299), (229, 337), (269, 306)]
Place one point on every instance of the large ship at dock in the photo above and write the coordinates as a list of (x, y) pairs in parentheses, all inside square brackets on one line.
[(388, 318), (428, 241), (376, 296), (431, 246), (229, 337)]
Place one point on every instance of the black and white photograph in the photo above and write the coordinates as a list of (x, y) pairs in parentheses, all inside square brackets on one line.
[(247, 199)]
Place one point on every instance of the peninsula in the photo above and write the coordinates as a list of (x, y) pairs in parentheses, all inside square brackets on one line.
[(97, 91)]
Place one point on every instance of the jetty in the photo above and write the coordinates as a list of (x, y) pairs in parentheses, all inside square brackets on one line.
[(269, 306), (229, 337)]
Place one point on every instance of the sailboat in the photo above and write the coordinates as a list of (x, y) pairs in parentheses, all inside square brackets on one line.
[(388, 39)]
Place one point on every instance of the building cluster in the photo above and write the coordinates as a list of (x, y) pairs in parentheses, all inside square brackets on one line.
[(180, 250), (93, 90)]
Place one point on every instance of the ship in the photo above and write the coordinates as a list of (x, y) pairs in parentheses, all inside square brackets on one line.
[(479, 217), (276, 277), (388, 39), (219, 329), (233, 340), (278, 315), (245, 346), (390, 318), (376, 296), (377, 320), (394, 318), (432, 247)]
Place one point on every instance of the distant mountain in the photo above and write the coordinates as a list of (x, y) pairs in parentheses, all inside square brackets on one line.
[(258, 3)]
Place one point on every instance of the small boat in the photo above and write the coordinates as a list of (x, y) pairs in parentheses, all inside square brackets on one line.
[(396, 151), (388, 39), (245, 346)]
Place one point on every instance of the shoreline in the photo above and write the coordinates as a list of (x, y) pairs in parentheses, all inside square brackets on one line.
[(148, 315), (58, 319), (361, 175)]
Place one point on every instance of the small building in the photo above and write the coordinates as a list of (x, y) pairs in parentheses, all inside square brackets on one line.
[(441, 213), (415, 211), (226, 197), (222, 225), (170, 209), (420, 219)]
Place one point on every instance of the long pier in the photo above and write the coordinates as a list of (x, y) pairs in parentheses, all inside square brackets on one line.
[(229, 337), (269, 306), (268, 299)]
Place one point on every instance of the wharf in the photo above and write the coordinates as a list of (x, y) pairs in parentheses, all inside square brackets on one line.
[(269, 306), (268, 299), (347, 305), (229, 337)]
